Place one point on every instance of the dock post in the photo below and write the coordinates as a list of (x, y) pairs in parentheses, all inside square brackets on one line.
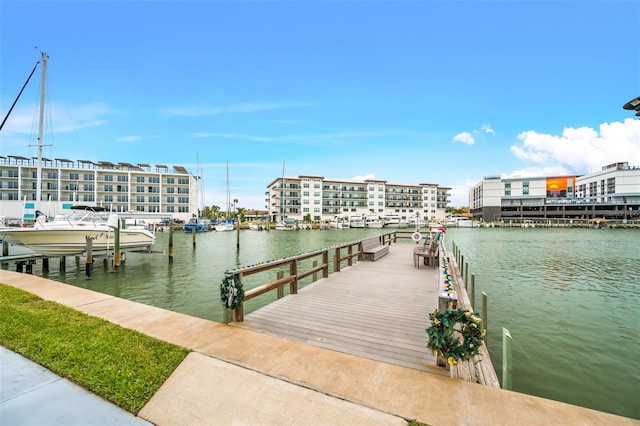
[(315, 274), (193, 236), (235, 202), (336, 260), (473, 290), (506, 359), (485, 317), (45, 265), (19, 266), (63, 263), (29, 269), (280, 289), (5, 247), (171, 241), (116, 253), (466, 275), (88, 267)]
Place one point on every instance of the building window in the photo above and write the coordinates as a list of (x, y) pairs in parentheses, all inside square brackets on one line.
[(507, 185), (139, 198), (108, 178), (108, 188), (140, 208), (154, 179), (88, 187), (123, 198), (123, 179), (183, 181), (87, 176), (74, 176), (507, 192), (139, 188), (140, 179), (171, 190), (170, 180), (170, 209), (108, 198)]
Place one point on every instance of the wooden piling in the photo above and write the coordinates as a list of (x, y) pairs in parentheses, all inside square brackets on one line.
[(5, 247), (473, 290), (171, 241), (485, 318), (63, 263), (88, 268), (193, 236), (506, 359), (116, 253), (45, 265), (237, 232)]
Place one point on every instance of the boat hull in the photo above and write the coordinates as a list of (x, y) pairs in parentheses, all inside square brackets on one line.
[(68, 242)]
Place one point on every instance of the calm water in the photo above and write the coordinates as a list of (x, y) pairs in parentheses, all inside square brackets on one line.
[(571, 300), (569, 297)]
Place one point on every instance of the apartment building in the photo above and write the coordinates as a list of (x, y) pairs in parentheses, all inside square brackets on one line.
[(316, 198), (611, 193), (123, 187)]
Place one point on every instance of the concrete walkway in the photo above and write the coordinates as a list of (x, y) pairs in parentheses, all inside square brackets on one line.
[(235, 376)]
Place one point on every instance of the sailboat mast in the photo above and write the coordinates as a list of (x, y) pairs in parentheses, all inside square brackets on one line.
[(282, 215), (45, 58)]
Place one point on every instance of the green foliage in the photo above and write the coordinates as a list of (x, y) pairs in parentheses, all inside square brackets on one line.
[(443, 341), (231, 292), (121, 365)]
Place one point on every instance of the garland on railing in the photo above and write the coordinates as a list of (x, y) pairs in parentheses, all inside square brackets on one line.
[(231, 292), (442, 340)]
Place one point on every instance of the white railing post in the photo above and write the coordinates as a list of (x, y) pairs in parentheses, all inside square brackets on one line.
[(506, 359)]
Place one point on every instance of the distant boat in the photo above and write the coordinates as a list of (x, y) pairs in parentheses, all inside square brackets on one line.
[(286, 225), (460, 222), (373, 222), (257, 227), (225, 225), (528, 224), (356, 222), (197, 223), (339, 222)]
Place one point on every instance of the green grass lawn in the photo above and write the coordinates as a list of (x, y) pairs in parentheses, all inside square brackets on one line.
[(119, 364)]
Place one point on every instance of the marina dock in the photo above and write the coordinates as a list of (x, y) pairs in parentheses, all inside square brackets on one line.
[(340, 373)]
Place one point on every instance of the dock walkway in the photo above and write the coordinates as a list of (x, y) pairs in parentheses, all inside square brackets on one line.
[(378, 310)]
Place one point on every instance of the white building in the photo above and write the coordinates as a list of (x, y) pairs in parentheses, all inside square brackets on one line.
[(315, 198), (611, 193), (123, 187)]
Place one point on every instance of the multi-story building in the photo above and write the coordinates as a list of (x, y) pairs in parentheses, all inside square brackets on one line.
[(315, 198), (611, 193), (122, 187)]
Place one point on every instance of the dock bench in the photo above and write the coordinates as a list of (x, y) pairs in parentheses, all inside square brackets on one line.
[(373, 250)]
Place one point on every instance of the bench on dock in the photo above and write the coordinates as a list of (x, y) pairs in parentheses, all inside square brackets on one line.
[(372, 249)]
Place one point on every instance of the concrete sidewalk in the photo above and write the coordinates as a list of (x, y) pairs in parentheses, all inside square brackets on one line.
[(235, 376), (32, 395)]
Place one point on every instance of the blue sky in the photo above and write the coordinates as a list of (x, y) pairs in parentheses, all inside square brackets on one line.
[(423, 91)]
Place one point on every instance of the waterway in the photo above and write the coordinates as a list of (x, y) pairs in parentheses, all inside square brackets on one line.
[(569, 297)]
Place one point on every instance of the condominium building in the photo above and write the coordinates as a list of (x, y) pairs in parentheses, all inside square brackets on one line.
[(316, 198), (122, 187), (611, 193)]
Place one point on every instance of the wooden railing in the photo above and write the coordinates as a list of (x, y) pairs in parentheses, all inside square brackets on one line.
[(291, 270)]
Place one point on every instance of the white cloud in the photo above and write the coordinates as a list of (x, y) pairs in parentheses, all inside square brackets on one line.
[(365, 177), (583, 150), (59, 118), (129, 138), (464, 137), (487, 129), (203, 110)]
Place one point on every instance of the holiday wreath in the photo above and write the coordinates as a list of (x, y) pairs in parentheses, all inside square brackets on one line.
[(231, 292), (442, 340)]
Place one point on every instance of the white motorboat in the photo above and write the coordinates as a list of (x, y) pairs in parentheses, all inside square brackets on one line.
[(225, 225), (394, 221), (356, 222), (339, 223), (373, 222), (286, 225), (67, 235)]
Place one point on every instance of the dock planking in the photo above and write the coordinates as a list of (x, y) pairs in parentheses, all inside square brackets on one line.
[(376, 310)]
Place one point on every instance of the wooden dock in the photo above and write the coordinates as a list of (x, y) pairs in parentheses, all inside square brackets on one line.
[(376, 310)]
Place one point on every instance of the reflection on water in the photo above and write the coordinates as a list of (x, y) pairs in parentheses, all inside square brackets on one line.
[(571, 301)]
